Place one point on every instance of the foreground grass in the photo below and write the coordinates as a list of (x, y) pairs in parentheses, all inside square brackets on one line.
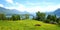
[(26, 25)]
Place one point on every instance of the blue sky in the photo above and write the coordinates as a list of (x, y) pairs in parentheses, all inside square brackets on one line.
[(31, 5)]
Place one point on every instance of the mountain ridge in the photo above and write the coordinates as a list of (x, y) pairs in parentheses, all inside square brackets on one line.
[(14, 11), (11, 11)]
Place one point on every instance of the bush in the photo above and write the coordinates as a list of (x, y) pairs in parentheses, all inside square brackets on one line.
[(47, 21), (2, 17), (15, 17), (37, 25)]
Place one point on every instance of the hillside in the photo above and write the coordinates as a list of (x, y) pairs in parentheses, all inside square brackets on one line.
[(26, 25)]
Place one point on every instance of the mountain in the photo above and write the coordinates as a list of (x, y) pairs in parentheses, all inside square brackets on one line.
[(8, 11), (2, 10), (57, 12), (11, 11), (14, 11)]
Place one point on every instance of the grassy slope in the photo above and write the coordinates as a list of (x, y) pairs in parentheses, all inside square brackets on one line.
[(26, 25)]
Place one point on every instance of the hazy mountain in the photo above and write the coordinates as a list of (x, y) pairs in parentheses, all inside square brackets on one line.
[(2, 10), (57, 12), (11, 11), (14, 11)]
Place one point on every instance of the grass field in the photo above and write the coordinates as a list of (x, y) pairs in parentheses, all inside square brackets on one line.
[(26, 25)]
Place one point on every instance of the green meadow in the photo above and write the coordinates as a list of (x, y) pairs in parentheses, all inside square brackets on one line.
[(27, 25)]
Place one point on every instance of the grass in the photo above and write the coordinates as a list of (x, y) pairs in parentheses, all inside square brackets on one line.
[(26, 25)]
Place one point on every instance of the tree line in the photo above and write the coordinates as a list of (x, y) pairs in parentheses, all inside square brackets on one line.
[(39, 17), (50, 18), (14, 17)]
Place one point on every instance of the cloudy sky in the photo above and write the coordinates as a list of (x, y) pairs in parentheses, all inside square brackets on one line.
[(31, 5)]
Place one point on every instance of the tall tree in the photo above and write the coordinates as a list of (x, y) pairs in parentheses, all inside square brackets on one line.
[(16, 17), (58, 20), (40, 16), (52, 17), (26, 16), (2, 17)]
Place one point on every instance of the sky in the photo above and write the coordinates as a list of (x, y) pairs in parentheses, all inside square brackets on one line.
[(31, 5)]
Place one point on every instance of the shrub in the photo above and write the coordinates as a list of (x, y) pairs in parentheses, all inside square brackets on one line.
[(37, 25), (47, 21)]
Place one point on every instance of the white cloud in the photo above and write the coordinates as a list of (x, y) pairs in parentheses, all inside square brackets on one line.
[(17, 6), (43, 8), (48, 8), (52, 7), (1, 5), (9, 1), (20, 7)]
